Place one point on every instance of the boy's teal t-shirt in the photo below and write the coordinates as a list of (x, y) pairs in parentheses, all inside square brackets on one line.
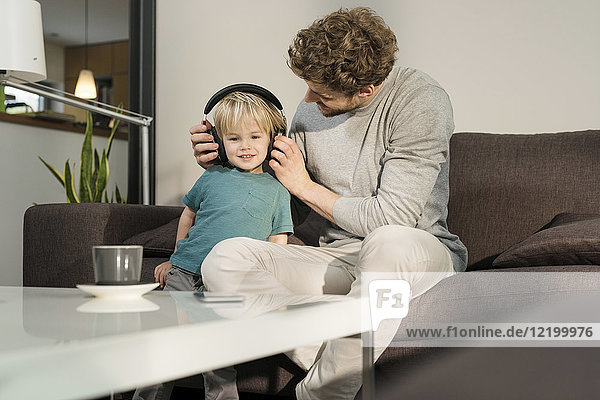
[(231, 203)]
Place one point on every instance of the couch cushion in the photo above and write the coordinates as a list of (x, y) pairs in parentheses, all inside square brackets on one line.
[(158, 242), (569, 239)]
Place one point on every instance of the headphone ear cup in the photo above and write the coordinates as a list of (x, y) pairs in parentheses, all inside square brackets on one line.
[(268, 157), (221, 150), (272, 143)]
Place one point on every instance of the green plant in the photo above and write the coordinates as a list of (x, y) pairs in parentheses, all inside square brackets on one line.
[(2, 99), (93, 173)]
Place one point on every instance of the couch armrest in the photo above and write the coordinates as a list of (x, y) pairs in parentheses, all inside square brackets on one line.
[(58, 238)]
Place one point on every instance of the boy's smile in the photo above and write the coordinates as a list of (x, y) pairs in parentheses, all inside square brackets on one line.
[(247, 146)]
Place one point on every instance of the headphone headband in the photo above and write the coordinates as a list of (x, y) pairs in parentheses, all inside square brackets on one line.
[(246, 88)]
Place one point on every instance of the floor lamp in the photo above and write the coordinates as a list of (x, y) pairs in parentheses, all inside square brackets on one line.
[(23, 62)]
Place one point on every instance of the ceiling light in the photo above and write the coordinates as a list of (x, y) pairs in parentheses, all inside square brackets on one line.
[(86, 85)]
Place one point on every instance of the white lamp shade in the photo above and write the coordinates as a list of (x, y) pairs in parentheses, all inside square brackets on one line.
[(22, 40), (86, 86)]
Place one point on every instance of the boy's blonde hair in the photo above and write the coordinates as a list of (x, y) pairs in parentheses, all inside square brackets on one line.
[(237, 106)]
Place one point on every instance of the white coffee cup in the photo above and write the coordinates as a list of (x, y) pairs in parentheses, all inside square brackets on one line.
[(117, 265)]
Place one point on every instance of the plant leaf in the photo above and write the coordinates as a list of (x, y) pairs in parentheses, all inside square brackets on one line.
[(70, 185), (88, 190), (115, 122), (54, 172), (106, 197), (95, 175), (118, 194), (2, 99), (96, 159), (85, 175), (102, 177)]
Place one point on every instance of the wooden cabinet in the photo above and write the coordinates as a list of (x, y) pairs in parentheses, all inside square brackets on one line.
[(110, 64), (100, 59), (121, 89), (74, 61), (120, 57)]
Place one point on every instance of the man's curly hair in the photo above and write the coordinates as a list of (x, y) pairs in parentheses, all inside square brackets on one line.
[(346, 50)]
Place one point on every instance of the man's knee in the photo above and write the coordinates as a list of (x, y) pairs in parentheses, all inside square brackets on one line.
[(393, 239), (391, 246), (389, 234), (223, 255)]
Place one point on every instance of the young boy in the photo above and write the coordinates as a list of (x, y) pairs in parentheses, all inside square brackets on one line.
[(235, 200)]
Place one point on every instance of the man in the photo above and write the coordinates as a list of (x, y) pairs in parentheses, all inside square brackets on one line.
[(370, 155)]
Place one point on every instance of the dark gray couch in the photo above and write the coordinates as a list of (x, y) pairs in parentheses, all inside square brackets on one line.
[(504, 189)]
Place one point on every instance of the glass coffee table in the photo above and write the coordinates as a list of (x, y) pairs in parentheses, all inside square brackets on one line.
[(62, 343)]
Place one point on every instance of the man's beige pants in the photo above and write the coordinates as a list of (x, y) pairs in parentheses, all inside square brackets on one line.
[(253, 266)]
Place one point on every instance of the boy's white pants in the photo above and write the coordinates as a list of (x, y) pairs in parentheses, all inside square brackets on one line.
[(252, 266)]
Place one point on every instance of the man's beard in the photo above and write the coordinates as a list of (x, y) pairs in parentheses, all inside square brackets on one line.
[(332, 112)]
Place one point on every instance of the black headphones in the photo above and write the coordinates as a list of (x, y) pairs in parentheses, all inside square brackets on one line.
[(245, 88)]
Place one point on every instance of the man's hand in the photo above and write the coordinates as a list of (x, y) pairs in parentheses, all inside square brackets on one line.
[(289, 168), (160, 273), (205, 150), (288, 165)]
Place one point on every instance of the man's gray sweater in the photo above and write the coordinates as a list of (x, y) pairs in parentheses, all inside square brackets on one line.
[(388, 160)]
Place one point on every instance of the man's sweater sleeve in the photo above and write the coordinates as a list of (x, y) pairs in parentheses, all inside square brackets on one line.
[(418, 146)]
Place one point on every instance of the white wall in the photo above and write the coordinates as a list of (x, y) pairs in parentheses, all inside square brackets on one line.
[(55, 71), (55, 62), (25, 180), (510, 66)]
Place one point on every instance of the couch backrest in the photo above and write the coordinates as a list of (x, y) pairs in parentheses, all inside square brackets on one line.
[(505, 187), (58, 238)]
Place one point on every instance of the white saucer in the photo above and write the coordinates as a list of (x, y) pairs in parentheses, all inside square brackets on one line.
[(121, 291)]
